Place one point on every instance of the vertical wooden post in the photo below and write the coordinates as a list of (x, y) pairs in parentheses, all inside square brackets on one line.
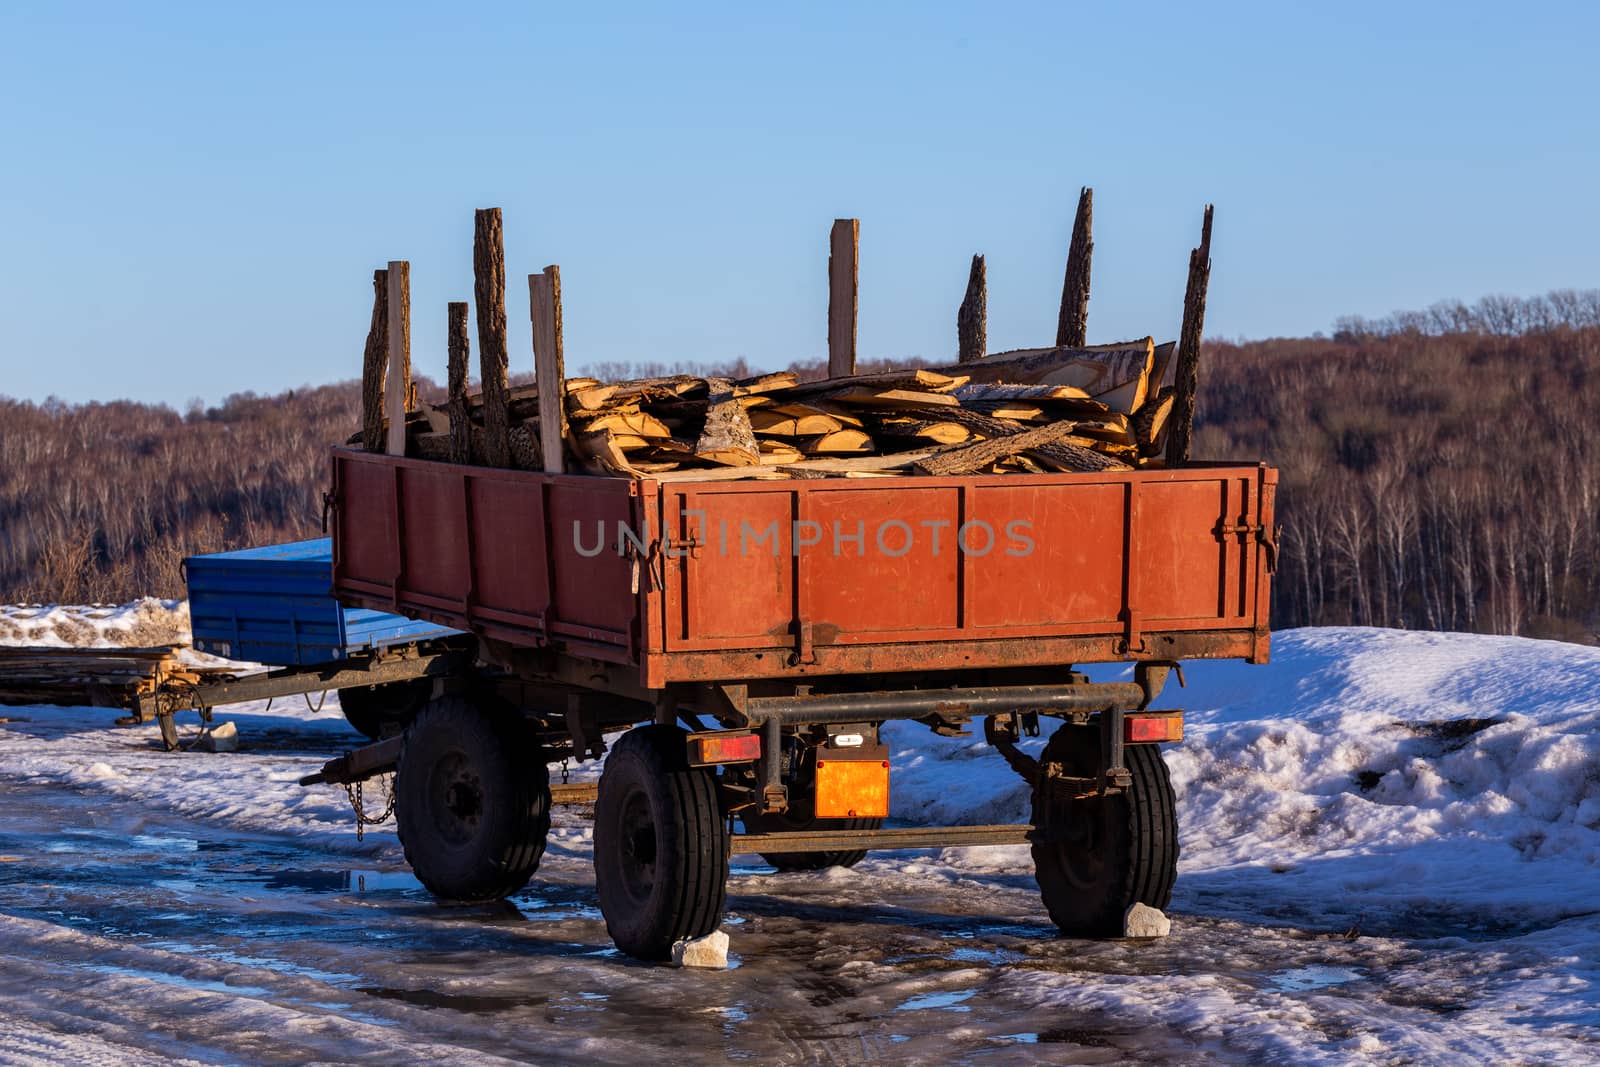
[(1072, 326), (398, 391), (489, 292), (1181, 422), (374, 361), (844, 270), (972, 320), (459, 346), (549, 368)]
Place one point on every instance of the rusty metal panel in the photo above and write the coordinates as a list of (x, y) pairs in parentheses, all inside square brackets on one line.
[(493, 551), (1066, 563), (795, 578)]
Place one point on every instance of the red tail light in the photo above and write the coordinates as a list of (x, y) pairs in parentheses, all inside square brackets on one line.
[(1145, 727)]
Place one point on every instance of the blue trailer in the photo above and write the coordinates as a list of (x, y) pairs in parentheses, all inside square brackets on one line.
[(274, 606)]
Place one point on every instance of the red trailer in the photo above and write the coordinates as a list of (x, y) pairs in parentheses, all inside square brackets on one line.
[(752, 636)]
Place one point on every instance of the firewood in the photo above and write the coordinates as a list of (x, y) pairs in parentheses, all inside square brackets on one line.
[(845, 440), (868, 397), (1116, 374), (637, 422), (901, 461), (1151, 421), (933, 381), (944, 433), (793, 420), (764, 383), (977, 392), (727, 438), (775, 452), (975, 456), (599, 451)]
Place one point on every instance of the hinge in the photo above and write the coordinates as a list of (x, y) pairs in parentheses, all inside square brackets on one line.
[(804, 651), (1132, 638)]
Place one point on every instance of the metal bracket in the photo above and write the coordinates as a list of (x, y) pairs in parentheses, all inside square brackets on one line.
[(804, 649), (1132, 639)]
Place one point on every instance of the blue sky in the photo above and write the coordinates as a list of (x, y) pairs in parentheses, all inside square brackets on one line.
[(193, 197)]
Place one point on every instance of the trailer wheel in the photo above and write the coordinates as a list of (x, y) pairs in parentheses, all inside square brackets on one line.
[(369, 708), (472, 801), (660, 844), (1122, 849)]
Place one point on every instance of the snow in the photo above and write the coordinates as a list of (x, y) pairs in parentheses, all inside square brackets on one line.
[(1391, 853), (1363, 776), (144, 623)]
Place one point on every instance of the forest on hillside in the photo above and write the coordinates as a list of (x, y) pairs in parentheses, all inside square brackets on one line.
[(1439, 471)]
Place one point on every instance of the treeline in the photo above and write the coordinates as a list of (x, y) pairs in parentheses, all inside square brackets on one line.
[(1439, 470), (101, 502)]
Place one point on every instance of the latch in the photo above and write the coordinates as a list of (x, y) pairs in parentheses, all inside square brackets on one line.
[(804, 647), (1266, 537)]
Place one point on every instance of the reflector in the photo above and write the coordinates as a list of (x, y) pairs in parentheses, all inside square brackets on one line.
[(852, 789), (1152, 726), (731, 747)]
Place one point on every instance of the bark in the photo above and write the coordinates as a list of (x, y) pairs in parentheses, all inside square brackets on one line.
[(460, 353), (375, 364), (489, 290), (972, 320), (1181, 421), (1072, 325)]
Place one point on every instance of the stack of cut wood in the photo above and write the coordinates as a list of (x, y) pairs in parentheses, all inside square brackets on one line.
[(94, 677), (1038, 410)]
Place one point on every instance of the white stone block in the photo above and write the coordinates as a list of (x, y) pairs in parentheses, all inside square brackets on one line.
[(708, 951), (1142, 920)]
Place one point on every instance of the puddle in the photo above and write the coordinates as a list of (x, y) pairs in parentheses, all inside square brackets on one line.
[(471, 1004), (951, 1001), (1314, 976)]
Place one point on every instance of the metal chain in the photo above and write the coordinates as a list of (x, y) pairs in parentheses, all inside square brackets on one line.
[(563, 772), (357, 798)]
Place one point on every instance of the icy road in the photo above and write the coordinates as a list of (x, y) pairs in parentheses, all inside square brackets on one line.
[(1391, 855)]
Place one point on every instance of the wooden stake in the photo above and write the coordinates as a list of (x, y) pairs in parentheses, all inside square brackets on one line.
[(844, 269), (460, 348), (489, 290), (1180, 424), (1072, 327), (972, 320), (549, 370), (397, 393), (373, 363)]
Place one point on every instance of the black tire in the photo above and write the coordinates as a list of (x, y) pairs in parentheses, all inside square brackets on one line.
[(1123, 848), (472, 800), (660, 844), (370, 708), (802, 816)]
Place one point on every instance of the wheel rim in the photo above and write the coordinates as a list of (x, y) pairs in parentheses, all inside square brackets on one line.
[(639, 846), (455, 798), (1082, 859)]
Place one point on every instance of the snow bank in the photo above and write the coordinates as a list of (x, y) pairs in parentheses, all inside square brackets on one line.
[(1369, 775), (142, 623)]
